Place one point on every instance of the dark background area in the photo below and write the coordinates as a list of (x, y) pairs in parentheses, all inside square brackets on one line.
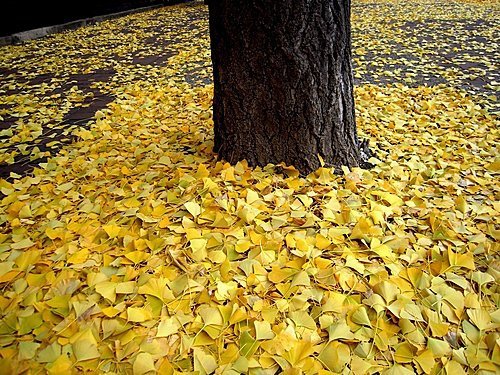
[(16, 16)]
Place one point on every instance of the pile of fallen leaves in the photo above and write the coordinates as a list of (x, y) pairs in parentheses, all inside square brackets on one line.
[(135, 251)]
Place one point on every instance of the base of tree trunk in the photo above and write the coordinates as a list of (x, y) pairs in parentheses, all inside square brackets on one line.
[(283, 85)]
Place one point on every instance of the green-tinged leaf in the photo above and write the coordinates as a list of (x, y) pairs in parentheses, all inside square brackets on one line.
[(263, 331), (84, 350), (204, 363), (22, 244), (143, 364), (27, 350)]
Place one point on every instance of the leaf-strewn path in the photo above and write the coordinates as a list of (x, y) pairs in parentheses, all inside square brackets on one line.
[(130, 249)]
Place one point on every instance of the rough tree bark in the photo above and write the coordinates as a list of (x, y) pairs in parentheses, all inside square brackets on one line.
[(283, 86)]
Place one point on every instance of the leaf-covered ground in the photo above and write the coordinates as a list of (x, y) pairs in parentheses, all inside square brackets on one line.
[(132, 250)]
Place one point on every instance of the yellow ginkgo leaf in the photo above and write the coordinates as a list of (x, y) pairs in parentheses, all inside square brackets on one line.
[(112, 230), (138, 314), (193, 208), (84, 350), (143, 364), (204, 363), (263, 331), (199, 248)]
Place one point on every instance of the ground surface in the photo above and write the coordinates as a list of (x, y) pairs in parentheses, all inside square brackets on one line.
[(129, 249)]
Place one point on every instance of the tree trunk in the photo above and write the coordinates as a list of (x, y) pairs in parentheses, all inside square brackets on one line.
[(283, 86)]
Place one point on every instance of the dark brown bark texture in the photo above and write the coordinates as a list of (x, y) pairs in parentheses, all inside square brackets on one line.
[(283, 86)]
